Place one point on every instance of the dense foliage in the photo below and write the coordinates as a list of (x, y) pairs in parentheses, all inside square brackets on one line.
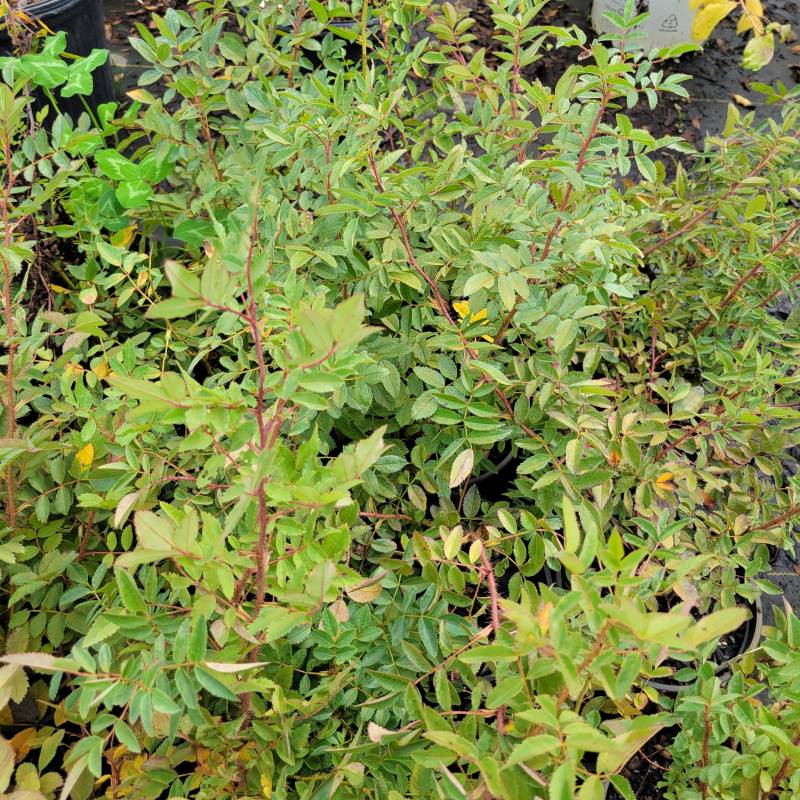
[(381, 422)]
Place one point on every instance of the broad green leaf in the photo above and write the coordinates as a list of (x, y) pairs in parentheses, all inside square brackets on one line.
[(533, 747), (115, 166), (452, 741), (129, 593)]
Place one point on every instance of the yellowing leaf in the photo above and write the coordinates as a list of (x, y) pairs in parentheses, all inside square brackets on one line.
[(364, 594), (102, 370), (715, 625), (266, 786), (85, 455), (742, 101), (462, 467), (709, 17), (664, 481), (462, 308), (543, 617), (572, 533), (758, 52), (478, 315), (124, 237)]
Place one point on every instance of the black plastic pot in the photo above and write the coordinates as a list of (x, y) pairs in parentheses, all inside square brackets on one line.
[(83, 22), (752, 635)]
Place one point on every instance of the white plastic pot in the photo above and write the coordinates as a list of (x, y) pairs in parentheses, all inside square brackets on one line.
[(669, 23)]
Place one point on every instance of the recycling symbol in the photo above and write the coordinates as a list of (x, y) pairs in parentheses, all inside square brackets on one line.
[(670, 23)]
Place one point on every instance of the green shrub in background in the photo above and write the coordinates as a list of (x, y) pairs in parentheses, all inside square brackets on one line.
[(370, 431)]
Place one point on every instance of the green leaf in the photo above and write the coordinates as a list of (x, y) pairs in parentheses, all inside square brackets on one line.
[(533, 747), (174, 308), (198, 641), (759, 51), (134, 193), (213, 685), (129, 593), (715, 625), (126, 736), (43, 69), (454, 742), (154, 532), (562, 782), (115, 166)]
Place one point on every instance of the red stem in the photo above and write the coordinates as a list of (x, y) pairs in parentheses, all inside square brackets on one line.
[(737, 287)]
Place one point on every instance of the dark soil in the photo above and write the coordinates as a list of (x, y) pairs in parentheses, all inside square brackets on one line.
[(646, 769), (717, 74), (729, 647)]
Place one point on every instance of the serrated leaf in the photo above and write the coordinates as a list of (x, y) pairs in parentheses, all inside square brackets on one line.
[(533, 747), (198, 640), (462, 467), (129, 593), (452, 741)]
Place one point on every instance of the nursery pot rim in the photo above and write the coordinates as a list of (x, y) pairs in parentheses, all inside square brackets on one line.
[(756, 624), (41, 8)]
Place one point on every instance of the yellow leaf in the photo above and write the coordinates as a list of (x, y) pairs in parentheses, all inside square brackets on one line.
[(664, 481), (124, 237), (22, 742), (742, 101), (364, 594), (85, 456), (462, 308), (478, 315), (543, 617), (709, 17), (752, 16), (102, 370), (266, 786)]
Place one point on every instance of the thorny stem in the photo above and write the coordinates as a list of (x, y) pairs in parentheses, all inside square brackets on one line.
[(748, 276), (488, 572), (556, 227), (8, 317), (701, 215), (787, 515), (782, 772), (441, 303), (778, 292), (207, 136), (706, 739)]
